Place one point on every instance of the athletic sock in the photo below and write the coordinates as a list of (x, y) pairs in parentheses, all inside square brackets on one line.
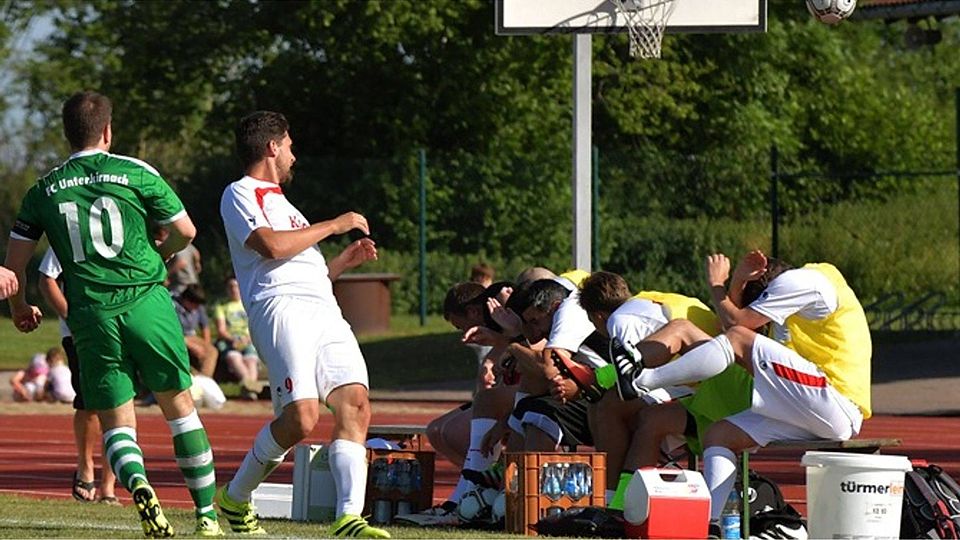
[(719, 472), (463, 486), (348, 464), (125, 456), (195, 459), (700, 363), (476, 460), (265, 456), (617, 501)]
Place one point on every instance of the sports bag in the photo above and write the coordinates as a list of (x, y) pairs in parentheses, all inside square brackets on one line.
[(931, 503), (583, 522), (771, 516)]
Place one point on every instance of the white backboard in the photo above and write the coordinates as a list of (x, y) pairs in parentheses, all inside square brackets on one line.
[(601, 17)]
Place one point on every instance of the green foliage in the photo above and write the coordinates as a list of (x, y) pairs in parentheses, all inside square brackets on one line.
[(884, 247), (685, 141)]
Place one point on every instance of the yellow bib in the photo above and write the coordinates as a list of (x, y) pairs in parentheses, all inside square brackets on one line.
[(839, 344), (679, 306), (576, 276)]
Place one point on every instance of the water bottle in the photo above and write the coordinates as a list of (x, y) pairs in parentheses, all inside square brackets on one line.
[(553, 490), (416, 475), (545, 479), (379, 471), (404, 484), (391, 474), (730, 517), (569, 480)]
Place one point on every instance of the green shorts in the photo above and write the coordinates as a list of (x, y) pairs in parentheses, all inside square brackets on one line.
[(716, 398), (144, 343)]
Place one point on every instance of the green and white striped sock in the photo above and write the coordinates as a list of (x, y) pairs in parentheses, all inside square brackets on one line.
[(195, 459), (125, 456)]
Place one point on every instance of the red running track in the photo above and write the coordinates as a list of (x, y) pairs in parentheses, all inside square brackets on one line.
[(37, 456)]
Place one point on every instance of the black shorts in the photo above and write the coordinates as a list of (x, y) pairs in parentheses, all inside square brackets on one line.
[(73, 362), (550, 415)]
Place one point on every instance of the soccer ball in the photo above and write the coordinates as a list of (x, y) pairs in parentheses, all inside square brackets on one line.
[(499, 509), (831, 11), (476, 505)]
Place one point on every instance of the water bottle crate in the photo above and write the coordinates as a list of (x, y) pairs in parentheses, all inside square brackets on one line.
[(402, 478), (538, 483)]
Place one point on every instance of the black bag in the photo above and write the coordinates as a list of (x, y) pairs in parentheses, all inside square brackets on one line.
[(585, 522), (765, 495), (931, 503), (771, 516)]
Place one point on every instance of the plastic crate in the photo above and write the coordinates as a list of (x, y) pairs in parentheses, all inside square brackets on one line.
[(526, 505), (416, 496)]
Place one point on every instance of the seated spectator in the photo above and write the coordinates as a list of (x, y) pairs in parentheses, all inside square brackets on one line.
[(483, 274), (238, 358), (196, 329), (58, 387), (28, 384), (183, 269)]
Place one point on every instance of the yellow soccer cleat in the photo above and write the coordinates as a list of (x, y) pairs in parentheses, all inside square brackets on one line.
[(242, 516), (352, 526), (208, 527), (154, 523)]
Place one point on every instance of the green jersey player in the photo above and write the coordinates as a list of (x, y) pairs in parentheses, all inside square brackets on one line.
[(96, 209)]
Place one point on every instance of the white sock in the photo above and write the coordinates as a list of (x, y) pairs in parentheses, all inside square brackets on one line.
[(720, 473), (698, 364), (265, 456), (475, 459), (348, 464), (463, 486)]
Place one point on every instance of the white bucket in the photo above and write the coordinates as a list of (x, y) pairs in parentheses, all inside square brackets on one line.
[(854, 495)]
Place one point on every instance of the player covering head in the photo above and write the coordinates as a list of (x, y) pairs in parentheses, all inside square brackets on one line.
[(296, 325)]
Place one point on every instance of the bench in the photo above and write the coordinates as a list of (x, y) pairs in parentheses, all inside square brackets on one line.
[(409, 436), (857, 446)]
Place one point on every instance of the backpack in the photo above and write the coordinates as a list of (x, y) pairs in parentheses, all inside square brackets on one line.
[(771, 516), (931, 503)]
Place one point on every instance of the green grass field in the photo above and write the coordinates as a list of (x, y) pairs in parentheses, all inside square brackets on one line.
[(24, 517)]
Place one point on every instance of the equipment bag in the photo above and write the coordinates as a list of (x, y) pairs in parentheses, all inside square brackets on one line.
[(771, 516), (584, 522), (931, 503)]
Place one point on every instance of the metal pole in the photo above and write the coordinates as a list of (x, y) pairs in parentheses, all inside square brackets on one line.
[(595, 207), (423, 236), (582, 57), (774, 202)]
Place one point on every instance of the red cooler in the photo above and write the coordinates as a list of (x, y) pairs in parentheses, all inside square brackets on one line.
[(667, 503)]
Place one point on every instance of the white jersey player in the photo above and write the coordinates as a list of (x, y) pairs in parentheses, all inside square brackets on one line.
[(295, 323)]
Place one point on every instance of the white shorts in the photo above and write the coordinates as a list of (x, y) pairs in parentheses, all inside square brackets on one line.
[(308, 351), (793, 400)]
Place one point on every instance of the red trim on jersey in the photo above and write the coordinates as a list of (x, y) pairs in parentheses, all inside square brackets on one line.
[(799, 377), (261, 193)]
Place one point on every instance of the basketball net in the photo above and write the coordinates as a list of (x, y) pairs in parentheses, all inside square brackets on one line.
[(645, 22)]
